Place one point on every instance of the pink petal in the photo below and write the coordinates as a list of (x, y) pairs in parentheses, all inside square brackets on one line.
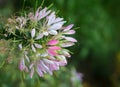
[(54, 66), (53, 42), (68, 27), (37, 12), (52, 52), (63, 63), (45, 67), (40, 73), (54, 48), (22, 64), (42, 68), (33, 32)]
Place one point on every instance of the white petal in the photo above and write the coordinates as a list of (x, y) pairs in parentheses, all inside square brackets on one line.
[(70, 32), (47, 13), (37, 45), (33, 32), (63, 60), (32, 72), (58, 19), (51, 18), (20, 46), (33, 48), (16, 27), (70, 39), (56, 26), (44, 54), (46, 33), (66, 53), (27, 58), (31, 65), (43, 65), (38, 54), (67, 44), (42, 68), (61, 57), (68, 27), (48, 61), (39, 36), (53, 32), (40, 73), (46, 68), (43, 13)]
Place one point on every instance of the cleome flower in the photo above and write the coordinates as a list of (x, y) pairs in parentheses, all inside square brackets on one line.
[(42, 40), (39, 14)]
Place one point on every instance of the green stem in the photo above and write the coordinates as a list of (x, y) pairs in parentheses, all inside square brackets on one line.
[(23, 5), (42, 3), (36, 5)]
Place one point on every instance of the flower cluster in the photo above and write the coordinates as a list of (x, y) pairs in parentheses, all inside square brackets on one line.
[(41, 39)]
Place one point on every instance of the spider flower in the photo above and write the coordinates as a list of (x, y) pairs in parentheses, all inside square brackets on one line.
[(42, 41)]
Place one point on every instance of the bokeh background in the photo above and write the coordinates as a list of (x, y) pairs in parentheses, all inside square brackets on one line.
[(95, 61)]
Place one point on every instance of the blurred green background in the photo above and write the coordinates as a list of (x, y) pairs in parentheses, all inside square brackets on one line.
[(96, 54)]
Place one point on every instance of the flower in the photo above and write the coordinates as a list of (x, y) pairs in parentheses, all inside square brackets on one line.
[(41, 39), (39, 14), (67, 30), (76, 76), (21, 21), (53, 24), (53, 42), (47, 65), (52, 48), (22, 65)]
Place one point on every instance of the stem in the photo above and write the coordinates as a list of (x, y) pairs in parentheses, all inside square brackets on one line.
[(42, 3), (36, 5), (23, 5), (50, 6)]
